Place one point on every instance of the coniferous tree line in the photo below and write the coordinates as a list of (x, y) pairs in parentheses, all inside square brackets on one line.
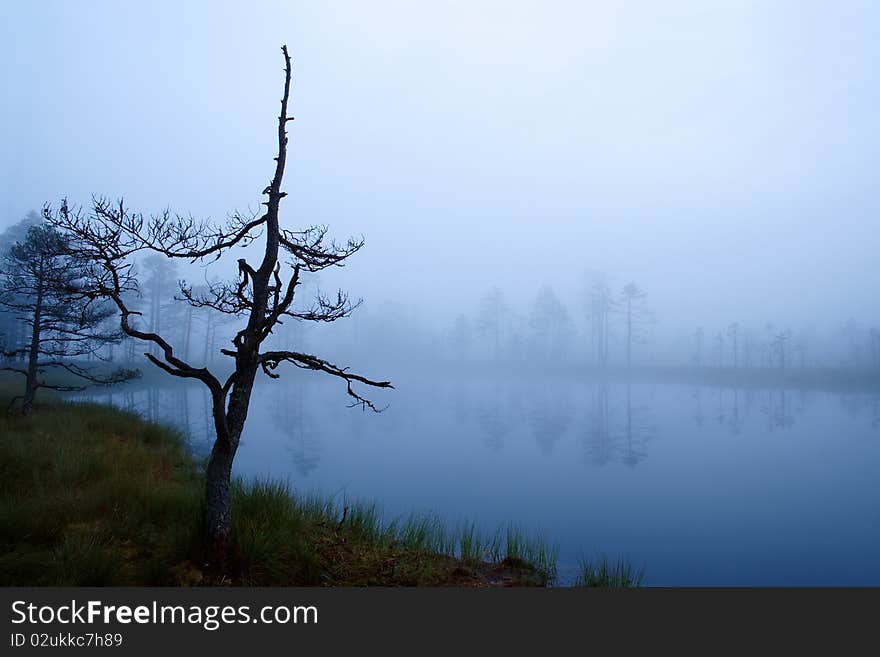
[(606, 326)]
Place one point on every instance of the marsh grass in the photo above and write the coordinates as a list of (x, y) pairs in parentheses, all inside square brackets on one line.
[(603, 573), (91, 495)]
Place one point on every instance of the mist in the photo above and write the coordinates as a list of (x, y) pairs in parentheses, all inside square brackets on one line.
[(720, 157), (512, 168)]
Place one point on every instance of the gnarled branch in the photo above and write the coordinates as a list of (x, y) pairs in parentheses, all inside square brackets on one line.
[(270, 360)]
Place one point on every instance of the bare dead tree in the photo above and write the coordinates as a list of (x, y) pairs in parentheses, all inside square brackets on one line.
[(109, 234)]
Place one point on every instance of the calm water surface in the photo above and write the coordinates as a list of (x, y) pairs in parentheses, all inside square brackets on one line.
[(701, 486)]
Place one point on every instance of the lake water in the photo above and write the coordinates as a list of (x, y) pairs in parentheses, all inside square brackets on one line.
[(700, 485)]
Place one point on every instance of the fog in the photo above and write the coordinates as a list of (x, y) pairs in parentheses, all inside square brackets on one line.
[(505, 162), (721, 157)]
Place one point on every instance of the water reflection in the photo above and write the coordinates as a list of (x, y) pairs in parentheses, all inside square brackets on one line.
[(638, 431), (735, 423), (617, 428), (292, 418), (491, 409), (600, 446), (734, 408), (613, 422), (605, 466), (494, 418), (698, 417), (550, 413), (776, 409)]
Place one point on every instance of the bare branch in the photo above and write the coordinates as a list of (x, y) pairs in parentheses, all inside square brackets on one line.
[(326, 309), (222, 296), (177, 236), (270, 360), (308, 248), (117, 376)]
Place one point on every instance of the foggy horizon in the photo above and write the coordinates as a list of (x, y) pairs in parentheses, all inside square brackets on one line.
[(720, 158)]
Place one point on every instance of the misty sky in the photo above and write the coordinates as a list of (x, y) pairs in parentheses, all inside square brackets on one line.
[(723, 155)]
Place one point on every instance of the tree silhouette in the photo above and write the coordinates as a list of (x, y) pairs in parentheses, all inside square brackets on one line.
[(460, 337), (599, 306), (42, 285), (631, 299), (161, 276), (733, 334), (491, 316), (780, 347), (109, 234), (13, 332), (550, 324)]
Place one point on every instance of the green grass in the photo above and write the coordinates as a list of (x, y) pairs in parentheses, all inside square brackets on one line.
[(90, 495), (602, 573), (93, 496)]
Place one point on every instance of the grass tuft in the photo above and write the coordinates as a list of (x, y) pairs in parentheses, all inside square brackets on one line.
[(602, 573)]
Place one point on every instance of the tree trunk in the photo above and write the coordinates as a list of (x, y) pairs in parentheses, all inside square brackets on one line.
[(218, 505), (218, 476), (30, 386)]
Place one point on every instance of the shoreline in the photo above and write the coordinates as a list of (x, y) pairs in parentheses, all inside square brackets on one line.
[(130, 493)]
